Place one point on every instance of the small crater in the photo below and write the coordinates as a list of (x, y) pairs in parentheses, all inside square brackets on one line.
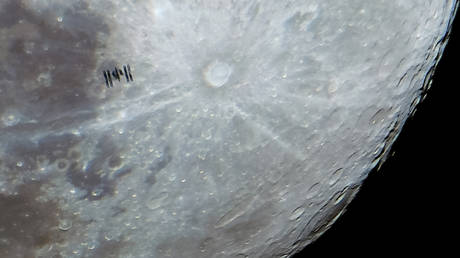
[(65, 224), (217, 73), (297, 213), (62, 164), (10, 118), (313, 191), (115, 161), (334, 178), (341, 196)]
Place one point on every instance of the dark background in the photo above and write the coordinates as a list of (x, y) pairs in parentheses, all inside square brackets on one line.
[(409, 205)]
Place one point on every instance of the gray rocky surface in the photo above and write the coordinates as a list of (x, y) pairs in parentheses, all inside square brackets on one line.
[(248, 128)]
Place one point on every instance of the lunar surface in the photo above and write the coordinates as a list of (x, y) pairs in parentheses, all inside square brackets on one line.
[(211, 128)]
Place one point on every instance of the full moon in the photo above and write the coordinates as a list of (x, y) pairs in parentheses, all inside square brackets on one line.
[(204, 128)]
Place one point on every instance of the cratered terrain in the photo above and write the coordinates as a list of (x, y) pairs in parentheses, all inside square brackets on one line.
[(213, 128)]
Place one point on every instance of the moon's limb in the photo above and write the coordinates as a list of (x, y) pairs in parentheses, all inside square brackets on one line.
[(246, 131)]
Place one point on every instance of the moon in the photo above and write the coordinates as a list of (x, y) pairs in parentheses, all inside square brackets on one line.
[(168, 128), (390, 208)]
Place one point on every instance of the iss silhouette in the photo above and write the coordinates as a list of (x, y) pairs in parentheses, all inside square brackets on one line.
[(117, 74)]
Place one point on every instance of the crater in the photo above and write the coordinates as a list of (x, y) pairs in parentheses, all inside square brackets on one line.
[(217, 73), (97, 177), (62, 164)]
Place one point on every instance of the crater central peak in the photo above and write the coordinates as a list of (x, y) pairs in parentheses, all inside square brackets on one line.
[(217, 73)]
